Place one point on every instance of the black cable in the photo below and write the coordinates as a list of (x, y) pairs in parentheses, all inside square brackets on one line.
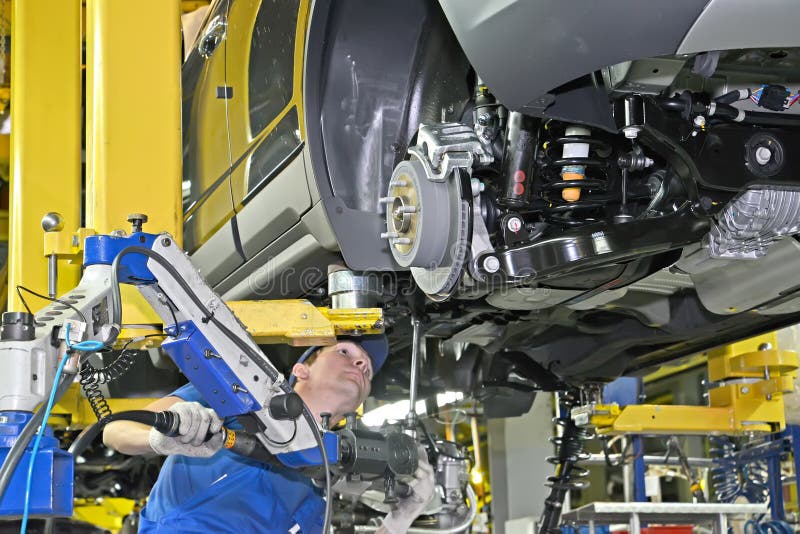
[(19, 294), (282, 443), (435, 447), (51, 299), (255, 356)]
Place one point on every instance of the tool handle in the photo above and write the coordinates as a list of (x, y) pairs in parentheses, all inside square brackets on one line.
[(237, 441)]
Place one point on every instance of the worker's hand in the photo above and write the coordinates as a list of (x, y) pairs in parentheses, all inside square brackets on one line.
[(409, 508), (196, 422)]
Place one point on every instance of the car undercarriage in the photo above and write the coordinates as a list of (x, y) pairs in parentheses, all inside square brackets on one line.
[(597, 234)]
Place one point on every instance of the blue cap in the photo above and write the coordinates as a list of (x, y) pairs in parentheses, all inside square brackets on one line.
[(376, 345)]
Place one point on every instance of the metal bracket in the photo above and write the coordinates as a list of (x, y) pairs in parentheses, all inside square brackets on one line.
[(446, 146), (300, 323), (750, 378)]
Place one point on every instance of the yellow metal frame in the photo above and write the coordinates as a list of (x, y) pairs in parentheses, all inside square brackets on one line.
[(45, 138), (74, 411), (300, 323), (107, 513), (133, 114), (133, 122), (748, 380)]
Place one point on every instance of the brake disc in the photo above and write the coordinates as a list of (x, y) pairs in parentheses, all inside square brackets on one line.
[(428, 227)]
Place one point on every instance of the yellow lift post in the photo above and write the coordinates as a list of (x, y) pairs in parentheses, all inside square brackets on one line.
[(747, 383), (45, 136), (133, 122), (133, 164)]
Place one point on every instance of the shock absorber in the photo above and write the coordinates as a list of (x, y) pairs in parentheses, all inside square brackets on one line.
[(578, 151), (574, 165), (569, 474), (518, 161)]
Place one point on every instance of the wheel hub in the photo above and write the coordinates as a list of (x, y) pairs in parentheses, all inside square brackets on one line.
[(427, 226)]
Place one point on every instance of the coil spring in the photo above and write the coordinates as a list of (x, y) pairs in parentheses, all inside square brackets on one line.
[(733, 479), (569, 474), (560, 210), (91, 378)]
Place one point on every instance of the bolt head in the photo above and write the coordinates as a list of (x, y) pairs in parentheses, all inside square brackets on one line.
[(514, 224), (763, 155), (631, 132), (491, 264)]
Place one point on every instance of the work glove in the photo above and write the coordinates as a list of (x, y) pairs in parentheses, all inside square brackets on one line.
[(196, 421), (399, 520)]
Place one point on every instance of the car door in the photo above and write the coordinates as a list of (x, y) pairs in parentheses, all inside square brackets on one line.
[(207, 202), (268, 181)]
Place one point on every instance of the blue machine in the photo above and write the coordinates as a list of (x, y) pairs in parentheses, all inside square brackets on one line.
[(206, 341), (51, 493)]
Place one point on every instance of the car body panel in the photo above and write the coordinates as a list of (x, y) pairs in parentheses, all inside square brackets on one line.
[(264, 134), (206, 161), (720, 26), (218, 256), (553, 42), (292, 265), (288, 199), (267, 38)]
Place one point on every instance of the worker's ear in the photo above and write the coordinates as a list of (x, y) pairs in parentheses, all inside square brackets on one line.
[(301, 371)]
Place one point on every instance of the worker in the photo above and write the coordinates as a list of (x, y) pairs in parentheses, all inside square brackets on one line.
[(203, 488)]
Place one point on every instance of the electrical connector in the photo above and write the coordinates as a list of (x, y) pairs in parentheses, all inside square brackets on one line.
[(774, 97)]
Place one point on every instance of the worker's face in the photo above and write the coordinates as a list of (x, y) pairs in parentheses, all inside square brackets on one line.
[(343, 370)]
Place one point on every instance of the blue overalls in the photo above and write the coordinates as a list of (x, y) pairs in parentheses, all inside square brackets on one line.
[(229, 493)]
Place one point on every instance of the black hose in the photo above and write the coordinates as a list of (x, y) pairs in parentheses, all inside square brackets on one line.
[(771, 119), (255, 356), (672, 104), (754, 118), (167, 422), (18, 449), (162, 421), (733, 96), (726, 112)]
